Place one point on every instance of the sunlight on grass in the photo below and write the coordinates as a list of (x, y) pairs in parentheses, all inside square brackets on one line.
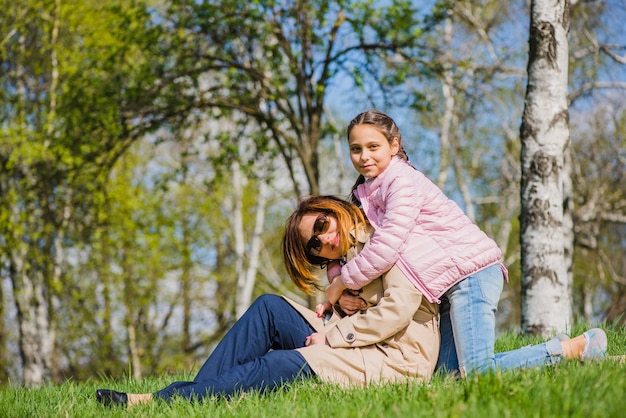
[(567, 390)]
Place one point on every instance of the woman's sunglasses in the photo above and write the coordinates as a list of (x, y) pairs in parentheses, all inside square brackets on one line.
[(314, 246)]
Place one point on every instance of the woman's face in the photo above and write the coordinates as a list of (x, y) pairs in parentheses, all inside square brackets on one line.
[(320, 235)]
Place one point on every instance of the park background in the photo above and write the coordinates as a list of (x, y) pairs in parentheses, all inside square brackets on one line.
[(151, 151)]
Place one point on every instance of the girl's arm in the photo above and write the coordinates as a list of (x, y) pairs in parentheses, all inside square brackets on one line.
[(334, 290), (393, 313), (403, 202), (333, 269)]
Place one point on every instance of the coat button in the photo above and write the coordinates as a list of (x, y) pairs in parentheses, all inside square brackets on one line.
[(350, 336)]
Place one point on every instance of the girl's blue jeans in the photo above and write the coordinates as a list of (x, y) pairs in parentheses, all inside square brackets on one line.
[(468, 328), (257, 353)]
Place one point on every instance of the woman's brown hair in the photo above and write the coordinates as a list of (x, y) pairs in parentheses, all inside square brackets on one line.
[(384, 124), (298, 261)]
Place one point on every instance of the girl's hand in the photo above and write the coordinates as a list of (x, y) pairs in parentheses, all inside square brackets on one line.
[(316, 338), (350, 302)]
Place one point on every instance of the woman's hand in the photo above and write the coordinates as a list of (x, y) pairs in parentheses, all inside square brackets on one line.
[(350, 302), (316, 338), (321, 308)]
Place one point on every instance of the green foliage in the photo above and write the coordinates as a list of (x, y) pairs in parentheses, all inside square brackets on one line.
[(116, 237), (280, 65), (597, 177), (569, 389), (80, 82)]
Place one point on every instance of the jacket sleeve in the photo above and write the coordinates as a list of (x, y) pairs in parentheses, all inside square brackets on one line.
[(393, 313), (333, 270), (403, 202)]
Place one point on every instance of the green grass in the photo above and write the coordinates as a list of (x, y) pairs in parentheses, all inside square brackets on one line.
[(596, 389)]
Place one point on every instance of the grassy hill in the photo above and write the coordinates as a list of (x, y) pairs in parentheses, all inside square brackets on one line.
[(595, 389)]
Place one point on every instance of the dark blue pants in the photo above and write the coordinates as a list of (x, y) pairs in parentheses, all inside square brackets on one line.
[(257, 353)]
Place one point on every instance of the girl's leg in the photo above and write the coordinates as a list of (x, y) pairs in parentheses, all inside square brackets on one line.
[(544, 354), (269, 323), (473, 304), (265, 373), (587, 346)]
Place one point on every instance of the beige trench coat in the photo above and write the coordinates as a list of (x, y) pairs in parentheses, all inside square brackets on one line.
[(396, 338)]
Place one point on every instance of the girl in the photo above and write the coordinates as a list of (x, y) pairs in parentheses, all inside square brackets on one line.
[(442, 252)]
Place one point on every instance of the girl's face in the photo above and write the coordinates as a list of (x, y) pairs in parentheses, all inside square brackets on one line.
[(370, 151), (320, 236)]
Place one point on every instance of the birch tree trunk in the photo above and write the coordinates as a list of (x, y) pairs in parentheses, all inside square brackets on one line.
[(28, 265), (247, 263), (546, 289), (4, 352), (568, 220), (29, 213), (32, 313), (129, 315), (246, 287), (446, 119)]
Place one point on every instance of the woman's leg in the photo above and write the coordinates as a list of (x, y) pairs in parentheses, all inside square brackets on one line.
[(473, 304), (269, 323), (242, 360), (265, 373), (447, 361)]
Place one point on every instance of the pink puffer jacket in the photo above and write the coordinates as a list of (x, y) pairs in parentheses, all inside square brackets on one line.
[(418, 228)]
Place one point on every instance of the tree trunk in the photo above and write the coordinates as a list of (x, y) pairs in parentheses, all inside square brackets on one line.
[(4, 352), (236, 222), (29, 263), (32, 313), (130, 311), (247, 263), (546, 288), (446, 120), (568, 221), (244, 294)]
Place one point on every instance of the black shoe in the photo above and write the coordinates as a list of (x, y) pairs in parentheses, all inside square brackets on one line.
[(110, 397)]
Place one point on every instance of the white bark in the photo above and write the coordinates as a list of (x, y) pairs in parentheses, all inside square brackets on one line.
[(546, 289), (36, 338), (450, 147), (33, 325), (133, 348), (30, 262), (447, 88), (244, 292), (247, 262), (568, 219)]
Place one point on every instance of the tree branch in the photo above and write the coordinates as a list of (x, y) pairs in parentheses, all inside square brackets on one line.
[(589, 87)]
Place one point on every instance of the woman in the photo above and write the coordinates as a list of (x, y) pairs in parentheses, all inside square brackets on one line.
[(278, 341)]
